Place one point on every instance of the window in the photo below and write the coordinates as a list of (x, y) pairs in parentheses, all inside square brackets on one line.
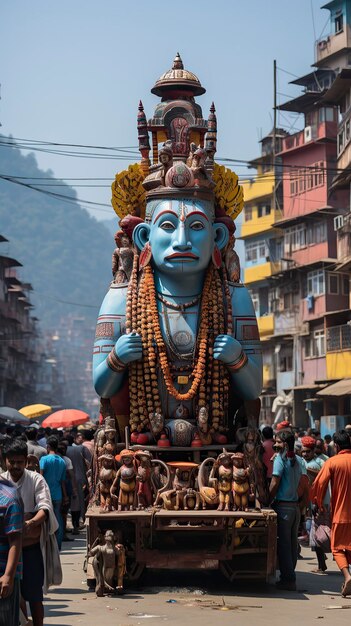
[(319, 342), (333, 280), (295, 238), (286, 363), (326, 114), (306, 178), (340, 140), (248, 213), (264, 209), (316, 283), (339, 338), (256, 251), (316, 233), (315, 344), (339, 22), (345, 285)]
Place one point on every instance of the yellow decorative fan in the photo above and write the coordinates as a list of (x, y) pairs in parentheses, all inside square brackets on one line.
[(228, 193), (128, 193)]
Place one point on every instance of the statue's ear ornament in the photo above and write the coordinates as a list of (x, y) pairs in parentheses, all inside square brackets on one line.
[(216, 257), (145, 256)]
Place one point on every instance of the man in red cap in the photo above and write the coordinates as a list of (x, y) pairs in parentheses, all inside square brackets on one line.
[(313, 465), (283, 425)]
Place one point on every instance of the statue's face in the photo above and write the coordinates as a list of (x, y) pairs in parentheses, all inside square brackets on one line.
[(128, 460), (164, 158), (182, 236), (125, 243)]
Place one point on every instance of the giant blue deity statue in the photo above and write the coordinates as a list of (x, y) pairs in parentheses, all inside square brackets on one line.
[(176, 337)]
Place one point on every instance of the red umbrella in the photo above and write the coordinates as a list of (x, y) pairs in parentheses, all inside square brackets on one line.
[(65, 418)]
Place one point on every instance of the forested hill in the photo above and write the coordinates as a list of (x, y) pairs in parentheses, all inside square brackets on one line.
[(66, 254)]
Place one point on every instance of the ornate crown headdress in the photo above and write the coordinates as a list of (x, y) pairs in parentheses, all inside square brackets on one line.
[(184, 166)]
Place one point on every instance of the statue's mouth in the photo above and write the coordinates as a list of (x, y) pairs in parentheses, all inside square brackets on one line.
[(182, 256)]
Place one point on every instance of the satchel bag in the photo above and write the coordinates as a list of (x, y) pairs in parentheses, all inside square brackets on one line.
[(322, 532)]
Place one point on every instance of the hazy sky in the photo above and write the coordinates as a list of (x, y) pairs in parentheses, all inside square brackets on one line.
[(73, 71)]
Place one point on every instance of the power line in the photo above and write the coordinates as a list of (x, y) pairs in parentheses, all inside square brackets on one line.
[(57, 196)]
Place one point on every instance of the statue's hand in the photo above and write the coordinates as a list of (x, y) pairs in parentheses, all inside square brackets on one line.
[(129, 348), (226, 349)]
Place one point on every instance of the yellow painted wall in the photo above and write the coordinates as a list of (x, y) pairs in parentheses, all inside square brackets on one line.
[(260, 272), (267, 374), (254, 193), (266, 325), (258, 225), (339, 364), (262, 186)]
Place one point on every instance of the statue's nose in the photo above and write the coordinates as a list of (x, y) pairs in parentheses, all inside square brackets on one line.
[(180, 241)]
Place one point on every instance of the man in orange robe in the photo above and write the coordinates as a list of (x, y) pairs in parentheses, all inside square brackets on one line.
[(337, 471)]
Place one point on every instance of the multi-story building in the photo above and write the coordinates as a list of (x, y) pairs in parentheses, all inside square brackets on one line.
[(18, 337), (334, 50), (263, 250), (311, 299)]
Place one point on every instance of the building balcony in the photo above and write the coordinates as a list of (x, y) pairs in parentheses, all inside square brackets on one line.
[(255, 273), (312, 253), (338, 355), (287, 322), (332, 44), (324, 130), (266, 326), (319, 305), (344, 240)]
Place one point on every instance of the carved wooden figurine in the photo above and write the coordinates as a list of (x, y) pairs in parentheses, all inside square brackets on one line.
[(107, 474), (126, 477), (143, 477), (224, 467), (241, 486), (156, 424), (208, 493), (110, 445), (122, 258), (252, 449), (186, 496), (109, 564), (203, 426)]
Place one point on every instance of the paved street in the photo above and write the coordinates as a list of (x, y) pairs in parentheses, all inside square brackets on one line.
[(197, 599)]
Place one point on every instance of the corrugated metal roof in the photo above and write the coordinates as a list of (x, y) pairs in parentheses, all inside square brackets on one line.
[(341, 388)]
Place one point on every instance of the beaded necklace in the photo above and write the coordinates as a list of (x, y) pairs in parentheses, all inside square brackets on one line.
[(209, 377), (180, 306)]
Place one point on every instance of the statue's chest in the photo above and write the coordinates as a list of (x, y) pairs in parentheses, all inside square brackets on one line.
[(179, 330)]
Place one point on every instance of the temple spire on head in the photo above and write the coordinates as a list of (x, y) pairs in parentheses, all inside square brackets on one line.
[(211, 136), (177, 63), (143, 137)]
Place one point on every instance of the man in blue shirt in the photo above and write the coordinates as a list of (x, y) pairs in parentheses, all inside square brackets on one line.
[(53, 468), (11, 525), (289, 486)]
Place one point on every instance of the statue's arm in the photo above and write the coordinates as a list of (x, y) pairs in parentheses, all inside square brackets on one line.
[(241, 351), (113, 349)]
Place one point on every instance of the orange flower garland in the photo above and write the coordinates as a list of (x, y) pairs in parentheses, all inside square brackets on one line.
[(199, 368)]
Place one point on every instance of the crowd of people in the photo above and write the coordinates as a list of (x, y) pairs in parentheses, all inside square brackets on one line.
[(310, 490), (44, 477)]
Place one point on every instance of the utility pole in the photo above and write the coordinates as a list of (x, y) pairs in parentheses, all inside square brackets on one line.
[(274, 129)]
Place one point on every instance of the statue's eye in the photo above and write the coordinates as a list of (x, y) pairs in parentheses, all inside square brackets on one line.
[(168, 226), (197, 226)]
